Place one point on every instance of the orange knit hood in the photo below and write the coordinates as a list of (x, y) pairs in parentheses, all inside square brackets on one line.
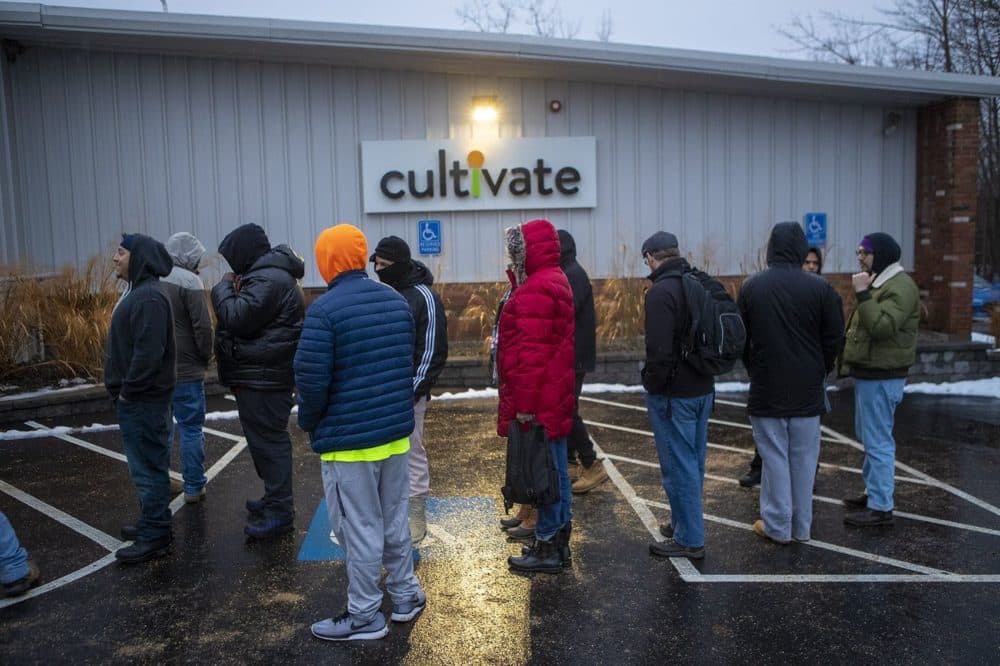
[(339, 249)]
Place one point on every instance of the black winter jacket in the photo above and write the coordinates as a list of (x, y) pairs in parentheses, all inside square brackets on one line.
[(585, 340), (430, 347), (259, 320), (139, 355), (795, 327), (667, 320)]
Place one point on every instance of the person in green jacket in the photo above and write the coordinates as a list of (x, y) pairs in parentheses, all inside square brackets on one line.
[(880, 347)]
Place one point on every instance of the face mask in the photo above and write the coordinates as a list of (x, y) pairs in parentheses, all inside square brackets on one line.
[(391, 275)]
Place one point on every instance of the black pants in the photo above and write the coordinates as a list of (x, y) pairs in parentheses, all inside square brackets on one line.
[(578, 444), (264, 417)]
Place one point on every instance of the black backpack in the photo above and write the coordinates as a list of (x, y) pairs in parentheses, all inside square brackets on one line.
[(716, 335), (531, 475)]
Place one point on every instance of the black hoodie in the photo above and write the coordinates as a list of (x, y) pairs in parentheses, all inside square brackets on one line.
[(585, 336), (139, 355), (795, 325), (259, 314), (430, 346)]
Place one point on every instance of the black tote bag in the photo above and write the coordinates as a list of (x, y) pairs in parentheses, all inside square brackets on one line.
[(531, 475)]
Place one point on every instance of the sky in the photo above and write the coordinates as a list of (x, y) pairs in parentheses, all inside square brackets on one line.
[(725, 26)]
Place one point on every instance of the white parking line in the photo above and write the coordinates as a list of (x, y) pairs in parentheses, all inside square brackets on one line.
[(213, 471), (91, 447), (106, 541), (59, 582), (829, 500), (815, 543), (748, 452)]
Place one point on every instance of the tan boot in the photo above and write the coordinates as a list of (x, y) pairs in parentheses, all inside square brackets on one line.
[(590, 478), (575, 469), (522, 515), (526, 529)]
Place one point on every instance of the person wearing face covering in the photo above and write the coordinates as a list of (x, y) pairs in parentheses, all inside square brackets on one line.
[(140, 373), (411, 278), (794, 322), (880, 347), (259, 310)]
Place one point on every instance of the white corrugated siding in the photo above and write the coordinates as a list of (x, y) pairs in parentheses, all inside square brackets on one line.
[(105, 142)]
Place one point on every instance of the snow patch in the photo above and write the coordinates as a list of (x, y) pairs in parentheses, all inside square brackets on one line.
[(471, 394), (48, 391), (980, 388), (983, 337)]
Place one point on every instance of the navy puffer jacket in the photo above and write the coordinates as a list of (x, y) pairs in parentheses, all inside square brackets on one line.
[(354, 366)]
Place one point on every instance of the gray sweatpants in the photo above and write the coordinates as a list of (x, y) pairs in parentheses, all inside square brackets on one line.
[(420, 474), (789, 448), (368, 504)]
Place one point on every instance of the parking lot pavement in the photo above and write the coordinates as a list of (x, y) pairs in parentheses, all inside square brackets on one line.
[(923, 590)]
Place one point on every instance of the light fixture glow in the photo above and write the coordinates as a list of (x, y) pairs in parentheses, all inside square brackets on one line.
[(484, 109)]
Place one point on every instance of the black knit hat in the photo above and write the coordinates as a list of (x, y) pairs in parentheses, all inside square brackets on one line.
[(886, 251), (392, 248)]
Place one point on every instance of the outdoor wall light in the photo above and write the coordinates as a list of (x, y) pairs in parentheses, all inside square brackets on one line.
[(484, 109), (555, 106)]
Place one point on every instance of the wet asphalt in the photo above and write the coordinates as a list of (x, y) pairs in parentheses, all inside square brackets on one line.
[(218, 599)]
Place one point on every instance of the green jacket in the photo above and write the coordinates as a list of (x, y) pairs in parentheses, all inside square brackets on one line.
[(881, 339)]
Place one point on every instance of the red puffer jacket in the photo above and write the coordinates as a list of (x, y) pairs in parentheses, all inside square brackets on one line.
[(535, 350)]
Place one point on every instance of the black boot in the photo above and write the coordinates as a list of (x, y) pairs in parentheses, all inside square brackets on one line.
[(543, 558), (562, 541), (140, 551)]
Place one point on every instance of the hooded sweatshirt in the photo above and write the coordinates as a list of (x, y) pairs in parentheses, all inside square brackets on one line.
[(535, 349), (794, 321), (259, 313), (139, 355), (354, 363), (585, 335), (192, 323)]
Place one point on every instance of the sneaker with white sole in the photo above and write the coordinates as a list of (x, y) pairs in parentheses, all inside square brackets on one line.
[(346, 628), (409, 609)]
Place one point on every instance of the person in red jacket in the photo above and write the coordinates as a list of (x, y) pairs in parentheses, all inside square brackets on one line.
[(536, 377)]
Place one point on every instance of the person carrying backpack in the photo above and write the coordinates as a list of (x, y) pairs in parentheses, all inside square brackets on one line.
[(678, 397)]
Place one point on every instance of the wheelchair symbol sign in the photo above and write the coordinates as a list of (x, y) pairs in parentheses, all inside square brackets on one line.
[(815, 228), (429, 236)]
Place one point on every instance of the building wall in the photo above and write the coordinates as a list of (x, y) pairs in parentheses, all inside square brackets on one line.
[(112, 141)]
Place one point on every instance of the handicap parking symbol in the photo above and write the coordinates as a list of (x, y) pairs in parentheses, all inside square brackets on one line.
[(429, 236), (451, 522), (815, 228)]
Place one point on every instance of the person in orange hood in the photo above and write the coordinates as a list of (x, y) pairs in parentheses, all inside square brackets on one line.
[(354, 375)]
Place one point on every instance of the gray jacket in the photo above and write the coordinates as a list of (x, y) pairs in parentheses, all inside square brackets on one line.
[(192, 323)]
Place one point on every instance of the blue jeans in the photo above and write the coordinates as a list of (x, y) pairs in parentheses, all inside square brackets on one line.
[(875, 402), (13, 558), (552, 517), (145, 429), (680, 428), (189, 410)]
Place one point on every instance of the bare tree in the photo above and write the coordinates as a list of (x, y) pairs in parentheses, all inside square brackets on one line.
[(941, 35), (544, 18), (605, 27)]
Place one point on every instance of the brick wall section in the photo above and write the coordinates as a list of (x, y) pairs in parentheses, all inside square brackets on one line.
[(947, 153)]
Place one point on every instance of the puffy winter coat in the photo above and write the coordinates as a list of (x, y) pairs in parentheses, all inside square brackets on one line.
[(259, 317), (794, 322), (535, 352), (585, 324), (354, 364)]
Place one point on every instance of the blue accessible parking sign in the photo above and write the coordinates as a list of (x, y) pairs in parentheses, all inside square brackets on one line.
[(814, 225), (429, 236)]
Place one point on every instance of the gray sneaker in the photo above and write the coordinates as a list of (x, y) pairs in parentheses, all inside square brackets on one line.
[(345, 628), (409, 609)]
